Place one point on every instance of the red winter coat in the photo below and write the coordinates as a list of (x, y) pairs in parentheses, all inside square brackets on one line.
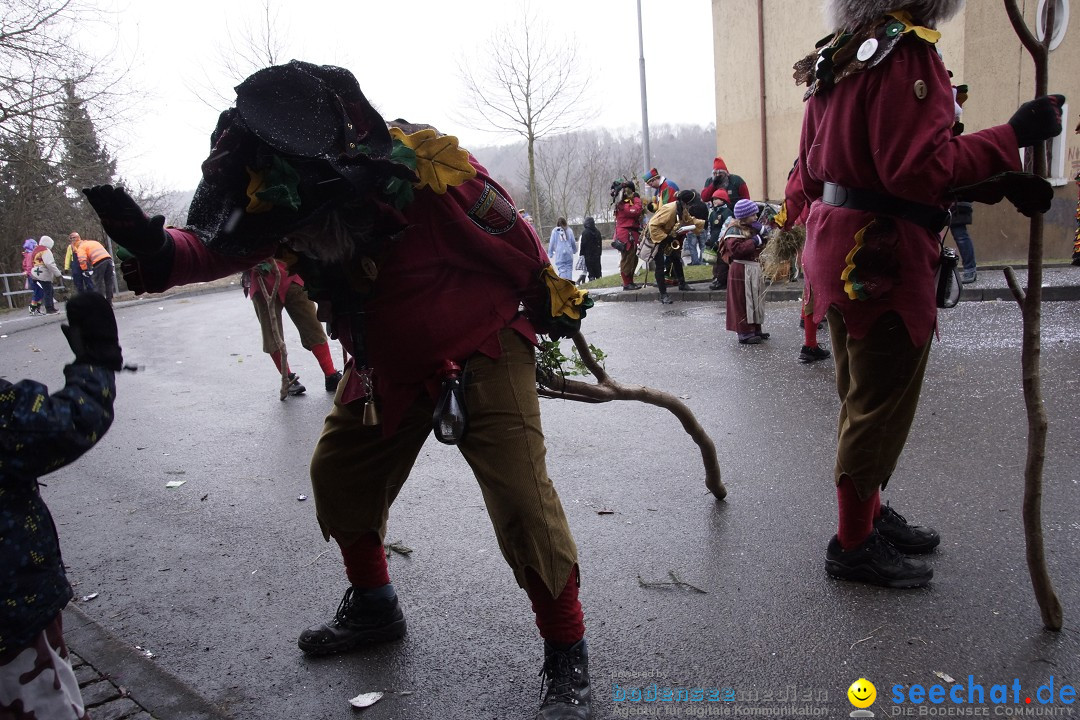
[(628, 219)]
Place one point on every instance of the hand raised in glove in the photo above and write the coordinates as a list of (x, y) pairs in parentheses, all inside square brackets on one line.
[(1037, 120), (144, 237), (91, 331)]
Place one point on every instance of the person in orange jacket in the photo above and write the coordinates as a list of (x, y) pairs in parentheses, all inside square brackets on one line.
[(96, 264)]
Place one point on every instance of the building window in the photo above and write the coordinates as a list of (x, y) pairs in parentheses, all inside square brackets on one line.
[(1061, 21), (1056, 150)]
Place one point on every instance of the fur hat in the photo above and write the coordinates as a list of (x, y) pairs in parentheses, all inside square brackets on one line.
[(651, 175), (851, 14), (718, 164), (301, 141), (29, 244), (745, 208), (46, 242)]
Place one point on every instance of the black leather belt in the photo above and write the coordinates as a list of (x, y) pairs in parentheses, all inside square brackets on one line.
[(933, 219)]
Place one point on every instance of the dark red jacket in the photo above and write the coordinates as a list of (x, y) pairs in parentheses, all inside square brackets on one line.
[(873, 131)]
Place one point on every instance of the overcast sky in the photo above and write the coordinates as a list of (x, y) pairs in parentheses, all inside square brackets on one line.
[(405, 55)]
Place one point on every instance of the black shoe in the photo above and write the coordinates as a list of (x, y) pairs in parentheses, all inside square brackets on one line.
[(764, 335), (665, 299), (332, 381), (716, 285), (363, 617), (750, 340), (968, 276), (631, 286), (685, 287), (566, 673), (910, 539), (295, 388), (875, 562), (51, 311), (812, 354)]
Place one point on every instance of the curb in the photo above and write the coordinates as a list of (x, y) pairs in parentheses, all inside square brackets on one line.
[(119, 682), (1049, 294)]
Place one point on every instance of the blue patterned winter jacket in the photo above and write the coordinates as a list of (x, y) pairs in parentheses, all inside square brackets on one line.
[(40, 433)]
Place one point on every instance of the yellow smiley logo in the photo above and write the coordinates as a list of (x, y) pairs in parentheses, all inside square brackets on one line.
[(862, 693)]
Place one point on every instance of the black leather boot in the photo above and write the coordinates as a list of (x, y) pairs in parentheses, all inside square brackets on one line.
[(566, 673), (363, 617)]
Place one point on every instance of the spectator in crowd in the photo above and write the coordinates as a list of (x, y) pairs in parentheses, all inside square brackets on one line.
[(562, 248), (73, 268), (272, 286), (961, 217), (721, 179), (592, 245), (628, 210), (28, 261), (96, 264), (42, 433), (694, 244), (720, 213), (43, 273), (741, 246)]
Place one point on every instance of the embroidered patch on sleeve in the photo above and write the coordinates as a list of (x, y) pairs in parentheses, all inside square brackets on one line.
[(493, 212)]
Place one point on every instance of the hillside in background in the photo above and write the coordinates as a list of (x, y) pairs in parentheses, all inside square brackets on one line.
[(574, 171)]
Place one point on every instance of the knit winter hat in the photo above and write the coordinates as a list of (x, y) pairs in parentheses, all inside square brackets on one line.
[(29, 245), (651, 175), (721, 194), (745, 208), (718, 164), (46, 241)]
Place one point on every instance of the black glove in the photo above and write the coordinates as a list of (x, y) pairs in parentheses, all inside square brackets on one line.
[(1030, 194), (143, 237), (1037, 120), (126, 223), (91, 331)]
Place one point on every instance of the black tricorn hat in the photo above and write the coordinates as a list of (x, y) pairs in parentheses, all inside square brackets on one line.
[(301, 140)]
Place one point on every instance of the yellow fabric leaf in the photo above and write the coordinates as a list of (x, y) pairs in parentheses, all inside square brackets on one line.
[(903, 16), (255, 183), (440, 162), (566, 297)]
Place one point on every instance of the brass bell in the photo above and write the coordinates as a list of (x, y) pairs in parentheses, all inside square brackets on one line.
[(371, 413)]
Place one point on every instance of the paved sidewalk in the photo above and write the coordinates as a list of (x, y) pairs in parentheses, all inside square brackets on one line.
[(1060, 282), (119, 682)]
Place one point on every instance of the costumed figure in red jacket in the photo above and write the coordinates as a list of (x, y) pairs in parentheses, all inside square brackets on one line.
[(628, 210), (420, 262), (879, 165), (273, 287), (793, 214)]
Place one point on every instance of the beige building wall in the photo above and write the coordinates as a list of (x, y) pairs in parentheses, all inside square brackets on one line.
[(980, 48)]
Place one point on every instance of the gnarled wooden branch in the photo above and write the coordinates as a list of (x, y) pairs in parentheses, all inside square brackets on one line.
[(606, 389), (1031, 310)]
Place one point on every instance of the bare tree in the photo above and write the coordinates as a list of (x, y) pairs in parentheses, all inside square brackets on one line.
[(530, 85), (256, 45), (556, 170)]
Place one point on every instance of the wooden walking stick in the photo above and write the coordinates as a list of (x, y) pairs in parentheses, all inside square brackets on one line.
[(553, 384), (1031, 308)]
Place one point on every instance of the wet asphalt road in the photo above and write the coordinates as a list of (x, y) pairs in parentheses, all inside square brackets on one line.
[(217, 577)]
